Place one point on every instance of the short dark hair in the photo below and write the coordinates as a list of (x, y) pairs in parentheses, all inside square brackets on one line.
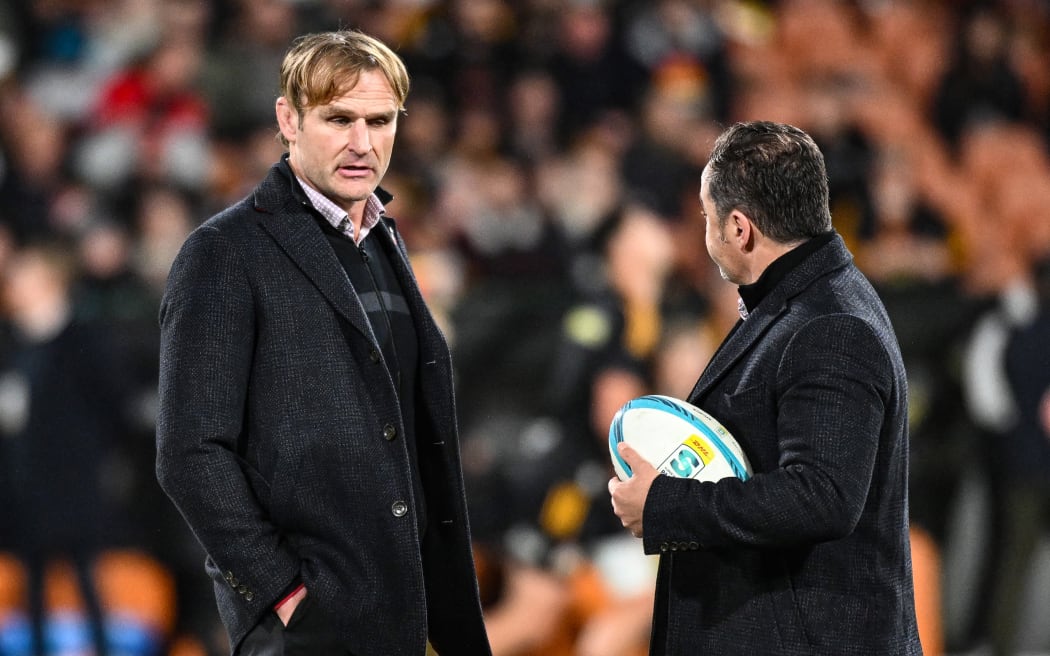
[(775, 174)]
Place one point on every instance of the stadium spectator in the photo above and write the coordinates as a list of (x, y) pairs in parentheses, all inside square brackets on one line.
[(64, 414), (981, 83), (150, 123), (1026, 503)]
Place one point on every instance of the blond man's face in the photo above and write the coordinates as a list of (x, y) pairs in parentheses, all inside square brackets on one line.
[(343, 147)]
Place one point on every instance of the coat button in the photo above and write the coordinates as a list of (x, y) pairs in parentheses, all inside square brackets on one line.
[(374, 355), (243, 589), (228, 576), (400, 508), (389, 432), (249, 596), (663, 547), (694, 545)]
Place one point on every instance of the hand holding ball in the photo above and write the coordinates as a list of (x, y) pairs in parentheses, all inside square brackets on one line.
[(677, 438)]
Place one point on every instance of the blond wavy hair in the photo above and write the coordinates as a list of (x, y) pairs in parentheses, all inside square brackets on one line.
[(319, 67)]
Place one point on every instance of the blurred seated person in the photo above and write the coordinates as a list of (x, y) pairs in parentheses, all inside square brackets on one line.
[(907, 239), (567, 582), (149, 122)]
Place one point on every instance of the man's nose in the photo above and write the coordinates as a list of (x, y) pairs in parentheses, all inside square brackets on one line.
[(359, 142)]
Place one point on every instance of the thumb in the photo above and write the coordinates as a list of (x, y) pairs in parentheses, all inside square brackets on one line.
[(632, 457)]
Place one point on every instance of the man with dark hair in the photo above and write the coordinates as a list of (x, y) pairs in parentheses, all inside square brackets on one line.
[(307, 426), (810, 555)]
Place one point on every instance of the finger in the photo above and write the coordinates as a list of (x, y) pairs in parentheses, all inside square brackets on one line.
[(632, 457), (613, 483)]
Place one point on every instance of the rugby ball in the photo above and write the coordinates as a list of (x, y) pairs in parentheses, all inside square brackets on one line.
[(677, 438)]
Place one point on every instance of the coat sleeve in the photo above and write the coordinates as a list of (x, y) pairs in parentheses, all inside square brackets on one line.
[(207, 325), (834, 382)]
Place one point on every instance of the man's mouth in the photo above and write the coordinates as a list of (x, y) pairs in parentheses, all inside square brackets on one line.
[(355, 170)]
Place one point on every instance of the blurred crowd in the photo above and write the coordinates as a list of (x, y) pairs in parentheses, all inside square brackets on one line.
[(545, 179)]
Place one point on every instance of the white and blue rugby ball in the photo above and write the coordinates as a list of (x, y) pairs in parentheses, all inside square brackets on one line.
[(677, 438)]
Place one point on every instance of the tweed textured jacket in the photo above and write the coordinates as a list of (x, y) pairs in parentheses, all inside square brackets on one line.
[(811, 555), (280, 439)]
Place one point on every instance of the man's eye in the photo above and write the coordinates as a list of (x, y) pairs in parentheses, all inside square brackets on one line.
[(339, 120)]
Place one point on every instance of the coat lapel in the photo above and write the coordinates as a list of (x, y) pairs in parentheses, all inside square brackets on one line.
[(732, 349), (829, 257), (295, 231)]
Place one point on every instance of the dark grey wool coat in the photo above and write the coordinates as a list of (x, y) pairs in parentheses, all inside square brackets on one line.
[(811, 555), (280, 438)]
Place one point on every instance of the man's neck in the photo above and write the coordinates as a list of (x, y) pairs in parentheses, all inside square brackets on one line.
[(766, 252), (784, 259)]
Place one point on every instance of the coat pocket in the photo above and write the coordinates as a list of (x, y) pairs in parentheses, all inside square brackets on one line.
[(786, 608)]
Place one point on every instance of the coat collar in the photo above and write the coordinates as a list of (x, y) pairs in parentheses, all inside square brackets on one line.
[(286, 214), (828, 258)]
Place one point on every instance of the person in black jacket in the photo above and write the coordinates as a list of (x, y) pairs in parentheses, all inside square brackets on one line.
[(811, 554), (307, 426), (1026, 453)]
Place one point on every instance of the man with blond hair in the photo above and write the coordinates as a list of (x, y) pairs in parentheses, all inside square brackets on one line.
[(307, 428)]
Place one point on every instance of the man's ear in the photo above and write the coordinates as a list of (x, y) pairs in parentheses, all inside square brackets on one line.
[(742, 231), (287, 119)]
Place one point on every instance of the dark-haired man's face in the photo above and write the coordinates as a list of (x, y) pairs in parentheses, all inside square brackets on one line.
[(722, 251)]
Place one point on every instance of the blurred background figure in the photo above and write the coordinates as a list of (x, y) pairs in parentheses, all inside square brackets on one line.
[(981, 82), (1026, 504), (62, 412), (150, 121)]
